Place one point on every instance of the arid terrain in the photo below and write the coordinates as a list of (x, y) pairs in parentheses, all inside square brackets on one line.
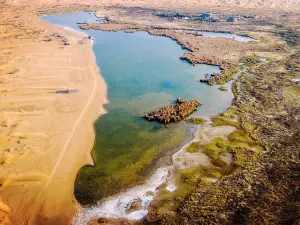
[(46, 137), (41, 130)]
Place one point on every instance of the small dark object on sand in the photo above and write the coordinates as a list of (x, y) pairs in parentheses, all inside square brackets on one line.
[(66, 91)]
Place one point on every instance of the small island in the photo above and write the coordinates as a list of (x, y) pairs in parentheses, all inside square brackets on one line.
[(175, 112)]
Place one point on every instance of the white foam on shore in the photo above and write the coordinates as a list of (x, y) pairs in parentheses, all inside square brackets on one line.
[(115, 206)]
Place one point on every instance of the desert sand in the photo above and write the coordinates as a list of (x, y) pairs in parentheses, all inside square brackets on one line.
[(45, 137)]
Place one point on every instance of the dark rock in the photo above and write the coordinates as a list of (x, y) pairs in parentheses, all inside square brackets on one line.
[(134, 206)]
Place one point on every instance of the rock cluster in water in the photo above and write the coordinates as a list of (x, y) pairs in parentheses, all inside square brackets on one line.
[(215, 77), (212, 78), (173, 113)]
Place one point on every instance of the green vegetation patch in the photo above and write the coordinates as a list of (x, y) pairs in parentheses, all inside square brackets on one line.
[(222, 88), (242, 67), (228, 76), (228, 118), (133, 30), (240, 136), (197, 120), (190, 176), (239, 143), (249, 127), (192, 148), (294, 90), (214, 149), (186, 181)]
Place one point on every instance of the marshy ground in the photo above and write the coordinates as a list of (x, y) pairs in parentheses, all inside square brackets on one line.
[(263, 188)]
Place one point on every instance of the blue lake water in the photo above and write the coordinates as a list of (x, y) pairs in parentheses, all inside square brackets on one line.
[(228, 35), (143, 73)]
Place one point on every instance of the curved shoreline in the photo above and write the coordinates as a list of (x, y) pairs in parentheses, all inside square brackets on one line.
[(161, 174), (91, 108)]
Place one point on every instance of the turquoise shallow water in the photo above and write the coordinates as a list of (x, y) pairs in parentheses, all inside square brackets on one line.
[(143, 73)]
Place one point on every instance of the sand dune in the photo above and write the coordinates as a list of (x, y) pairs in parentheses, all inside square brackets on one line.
[(45, 137)]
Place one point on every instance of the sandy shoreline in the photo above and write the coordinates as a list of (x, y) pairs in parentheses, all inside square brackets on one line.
[(47, 137)]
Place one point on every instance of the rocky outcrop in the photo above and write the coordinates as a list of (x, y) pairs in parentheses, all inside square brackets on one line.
[(174, 113), (134, 206)]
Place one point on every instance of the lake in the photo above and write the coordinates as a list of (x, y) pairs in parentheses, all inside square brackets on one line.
[(143, 73)]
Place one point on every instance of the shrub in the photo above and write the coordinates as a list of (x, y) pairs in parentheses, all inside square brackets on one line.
[(192, 148), (222, 88), (240, 136), (214, 149)]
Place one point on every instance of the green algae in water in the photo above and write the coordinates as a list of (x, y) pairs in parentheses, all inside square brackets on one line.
[(143, 73), (125, 151), (125, 161)]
